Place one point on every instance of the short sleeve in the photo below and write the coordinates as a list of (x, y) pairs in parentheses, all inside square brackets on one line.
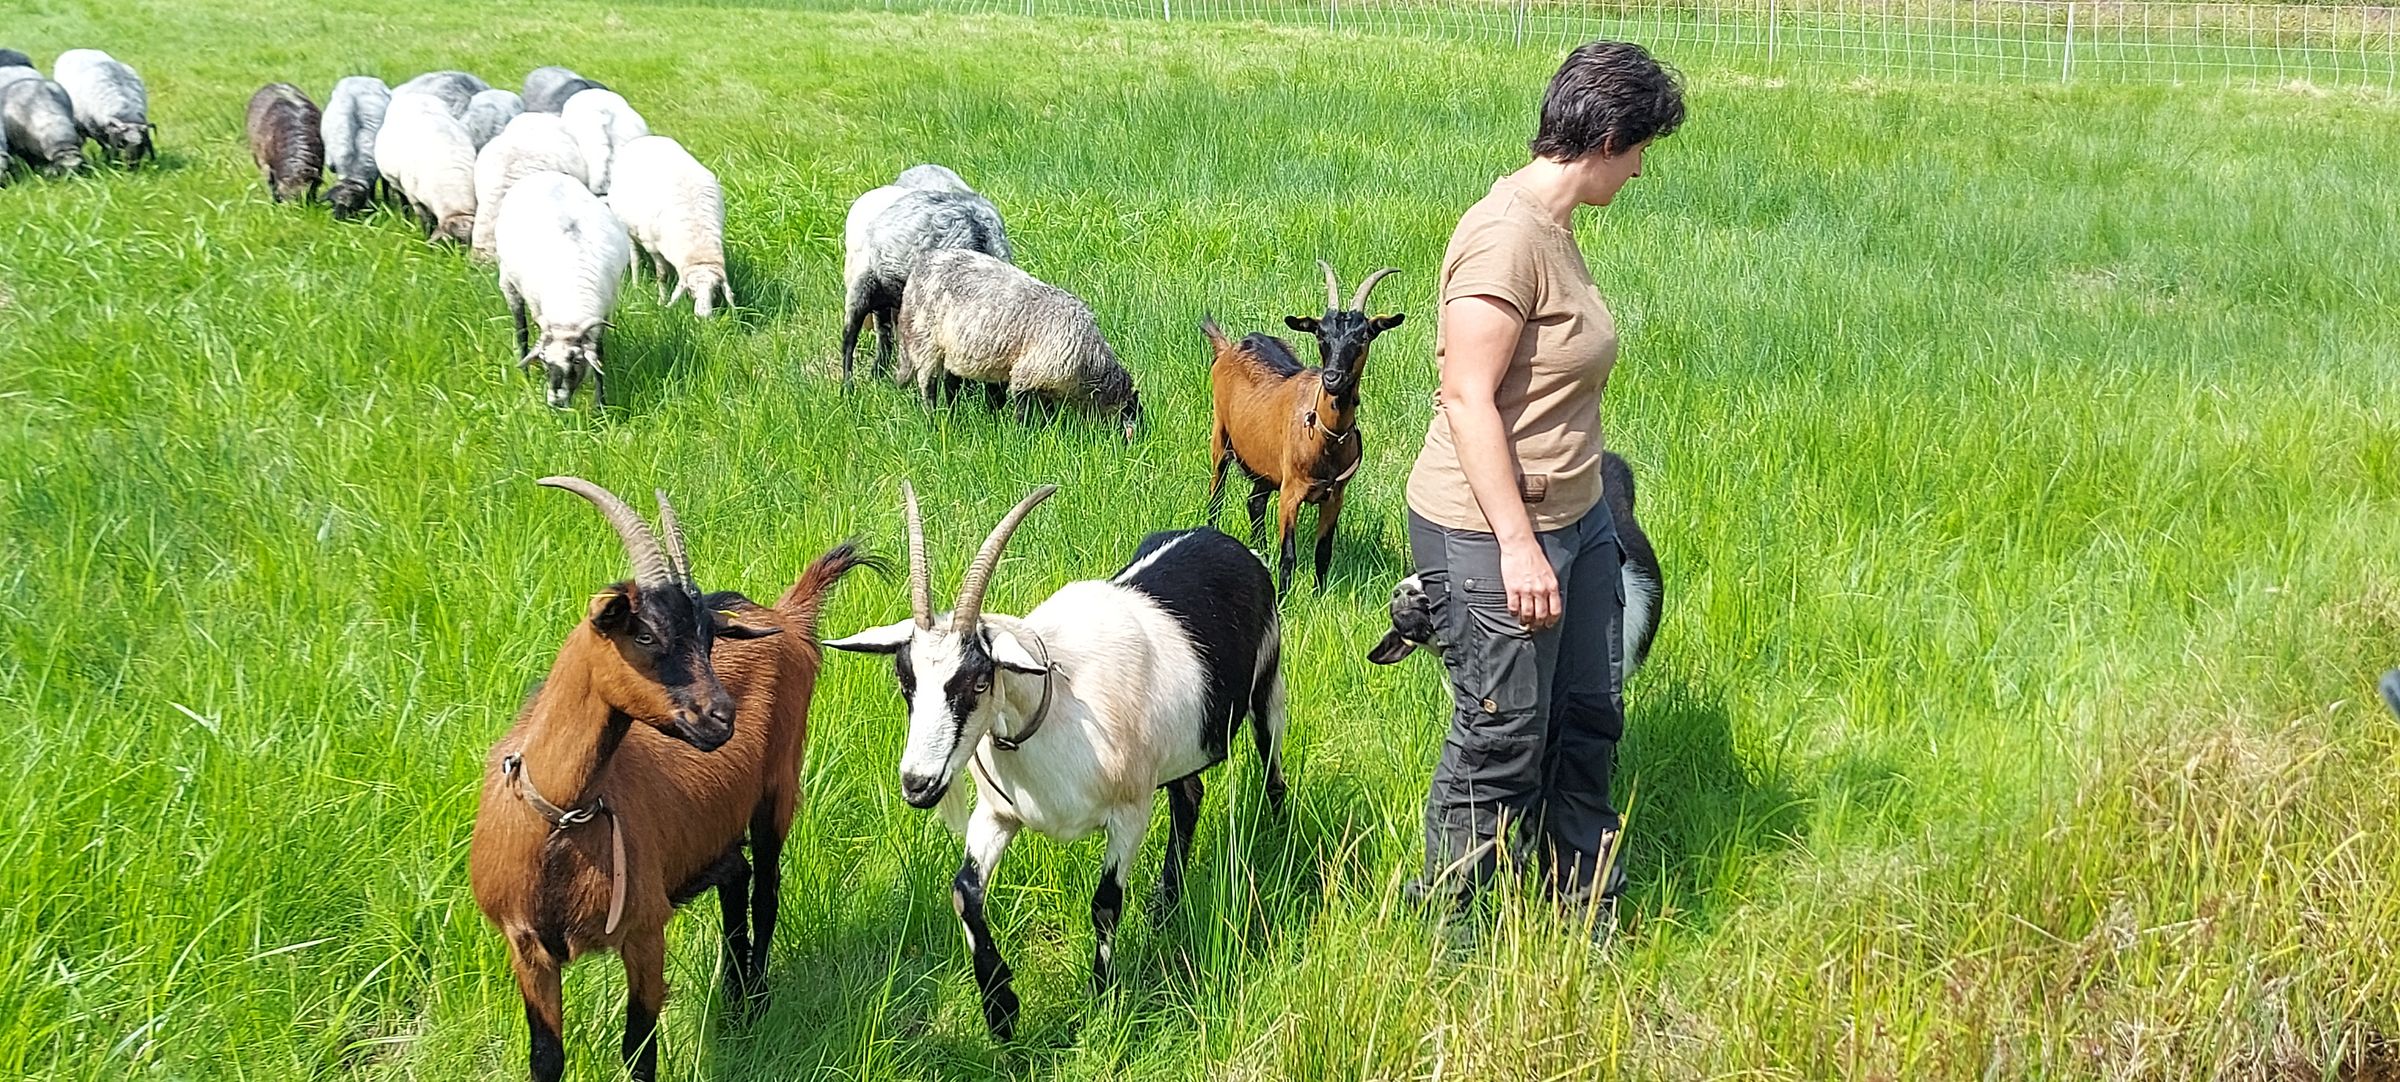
[(1493, 257)]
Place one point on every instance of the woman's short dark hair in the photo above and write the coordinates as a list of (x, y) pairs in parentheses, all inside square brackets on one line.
[(1608, 97)]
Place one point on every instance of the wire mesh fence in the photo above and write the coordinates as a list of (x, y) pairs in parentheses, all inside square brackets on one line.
[(2330, 47)]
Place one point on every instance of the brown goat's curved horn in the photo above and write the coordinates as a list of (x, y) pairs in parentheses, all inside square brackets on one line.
[(650, 568), (920, 576), (677, 559), (1358, 300), (979, 574), (1333, 288)]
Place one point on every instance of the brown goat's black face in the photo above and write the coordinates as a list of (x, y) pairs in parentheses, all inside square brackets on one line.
[(664, 636), (1342, 340)]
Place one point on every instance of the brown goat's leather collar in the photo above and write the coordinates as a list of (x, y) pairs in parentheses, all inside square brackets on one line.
[(513, 768)]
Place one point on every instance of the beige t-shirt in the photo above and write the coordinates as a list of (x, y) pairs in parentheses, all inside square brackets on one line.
[(1508, 247)]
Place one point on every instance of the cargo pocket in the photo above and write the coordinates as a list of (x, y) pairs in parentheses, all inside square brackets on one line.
[(1497, 669)]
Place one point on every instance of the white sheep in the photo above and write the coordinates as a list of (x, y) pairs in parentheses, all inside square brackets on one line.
[(488, 112), (601, 121), (112, 108), (353, 115), (562, 256), (531, 143), (675, 210), (425, 152), (967, 317)]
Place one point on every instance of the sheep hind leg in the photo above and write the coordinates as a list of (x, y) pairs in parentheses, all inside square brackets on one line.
[(852, 323), (1126, 825), (538, 982), (645, 955)]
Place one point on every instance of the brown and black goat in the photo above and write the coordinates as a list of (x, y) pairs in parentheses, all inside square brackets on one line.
[(669, 731), (1293, 430)]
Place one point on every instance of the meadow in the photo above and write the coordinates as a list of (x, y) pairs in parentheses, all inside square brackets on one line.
[(2021, 459)]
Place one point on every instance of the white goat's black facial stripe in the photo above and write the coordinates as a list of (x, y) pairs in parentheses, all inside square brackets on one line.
[(967, 685)]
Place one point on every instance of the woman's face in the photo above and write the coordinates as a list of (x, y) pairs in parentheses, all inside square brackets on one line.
[(1605, 173)]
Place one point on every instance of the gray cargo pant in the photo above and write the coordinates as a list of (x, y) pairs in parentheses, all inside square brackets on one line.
[(1536, 718)]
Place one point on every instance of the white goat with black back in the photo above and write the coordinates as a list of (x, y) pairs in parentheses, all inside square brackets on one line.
[(1074, 716), (675, 210), (353, 115), (889, 228), (601, 121), (39, 120), (969, 318), (454, 89), (547, 89), (531, 143), (488, 112), (426, 154), (1413, 623), (563, 255), (112, 107)]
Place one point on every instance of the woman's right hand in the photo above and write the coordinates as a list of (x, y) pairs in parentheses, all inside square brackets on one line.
[(1531, 583)]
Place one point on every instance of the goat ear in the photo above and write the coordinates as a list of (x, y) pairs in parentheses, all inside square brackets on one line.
[(887, 639), (1391, 649), (613, 612), (1010, 654), (1380, 324), (727, 629), (1303, 324)]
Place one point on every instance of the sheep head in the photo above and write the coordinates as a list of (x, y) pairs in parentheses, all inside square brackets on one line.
[(957, 659), (567, 354), (349, 198), (1344, 332), (702, 282), (652, 634), (129, 140)]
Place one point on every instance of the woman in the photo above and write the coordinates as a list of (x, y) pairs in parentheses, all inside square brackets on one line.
[(1516, 551)]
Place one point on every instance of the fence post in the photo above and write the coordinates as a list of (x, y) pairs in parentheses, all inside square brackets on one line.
[(1332, 14), (1166, 10), (2066, 60), (1520, 12), (1773, 7)]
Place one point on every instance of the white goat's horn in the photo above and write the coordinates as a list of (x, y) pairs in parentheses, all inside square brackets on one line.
[(650, 568), (920, 575), (979, 573), (1358, 300), (1333, 288)]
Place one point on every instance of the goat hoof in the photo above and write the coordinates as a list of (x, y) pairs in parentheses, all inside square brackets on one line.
[(1000, 1014)]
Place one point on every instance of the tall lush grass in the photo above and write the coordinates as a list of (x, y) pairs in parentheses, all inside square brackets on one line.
[(2022, 461)]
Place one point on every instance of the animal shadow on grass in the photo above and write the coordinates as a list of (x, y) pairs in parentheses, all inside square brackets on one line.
[(1366, 557), (765, 297), (645, 352), (1699, 808)]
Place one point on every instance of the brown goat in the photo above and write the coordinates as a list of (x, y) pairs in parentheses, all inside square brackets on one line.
[(670, 727), (1291, 428), (286, 141)]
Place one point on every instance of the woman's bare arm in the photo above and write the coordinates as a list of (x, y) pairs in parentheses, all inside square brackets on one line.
[(1480, 337)]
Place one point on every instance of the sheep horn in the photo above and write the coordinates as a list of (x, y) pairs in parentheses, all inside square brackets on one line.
[(1333, 288), (979, 573), (920, 576), (650, 567), (676, 556), (1358, 300)]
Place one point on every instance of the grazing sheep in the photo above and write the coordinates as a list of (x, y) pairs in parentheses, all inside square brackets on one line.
[(531, 143), (1293, 429), (1645, 589), (969, 317), (601, 121), (547, 89), (1143, 680), (675, 210), (352, 118), (928, 209), (40, 123), (488, 112), (669, 733), (10, 58), (287, 141), (454, 89), (424, 152), (111, 106), (562, 256)]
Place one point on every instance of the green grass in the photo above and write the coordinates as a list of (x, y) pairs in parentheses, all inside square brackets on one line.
[(2022, 460)]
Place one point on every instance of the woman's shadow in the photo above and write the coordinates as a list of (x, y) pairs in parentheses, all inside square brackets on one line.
[(1697, 813)]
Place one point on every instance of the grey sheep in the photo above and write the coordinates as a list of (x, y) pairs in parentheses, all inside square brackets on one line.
[(490, 111), (353, 115), (111, 106), (888, 228), (40, 121), (287, 140), (454, 89), (967, 317), (547, 89)]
